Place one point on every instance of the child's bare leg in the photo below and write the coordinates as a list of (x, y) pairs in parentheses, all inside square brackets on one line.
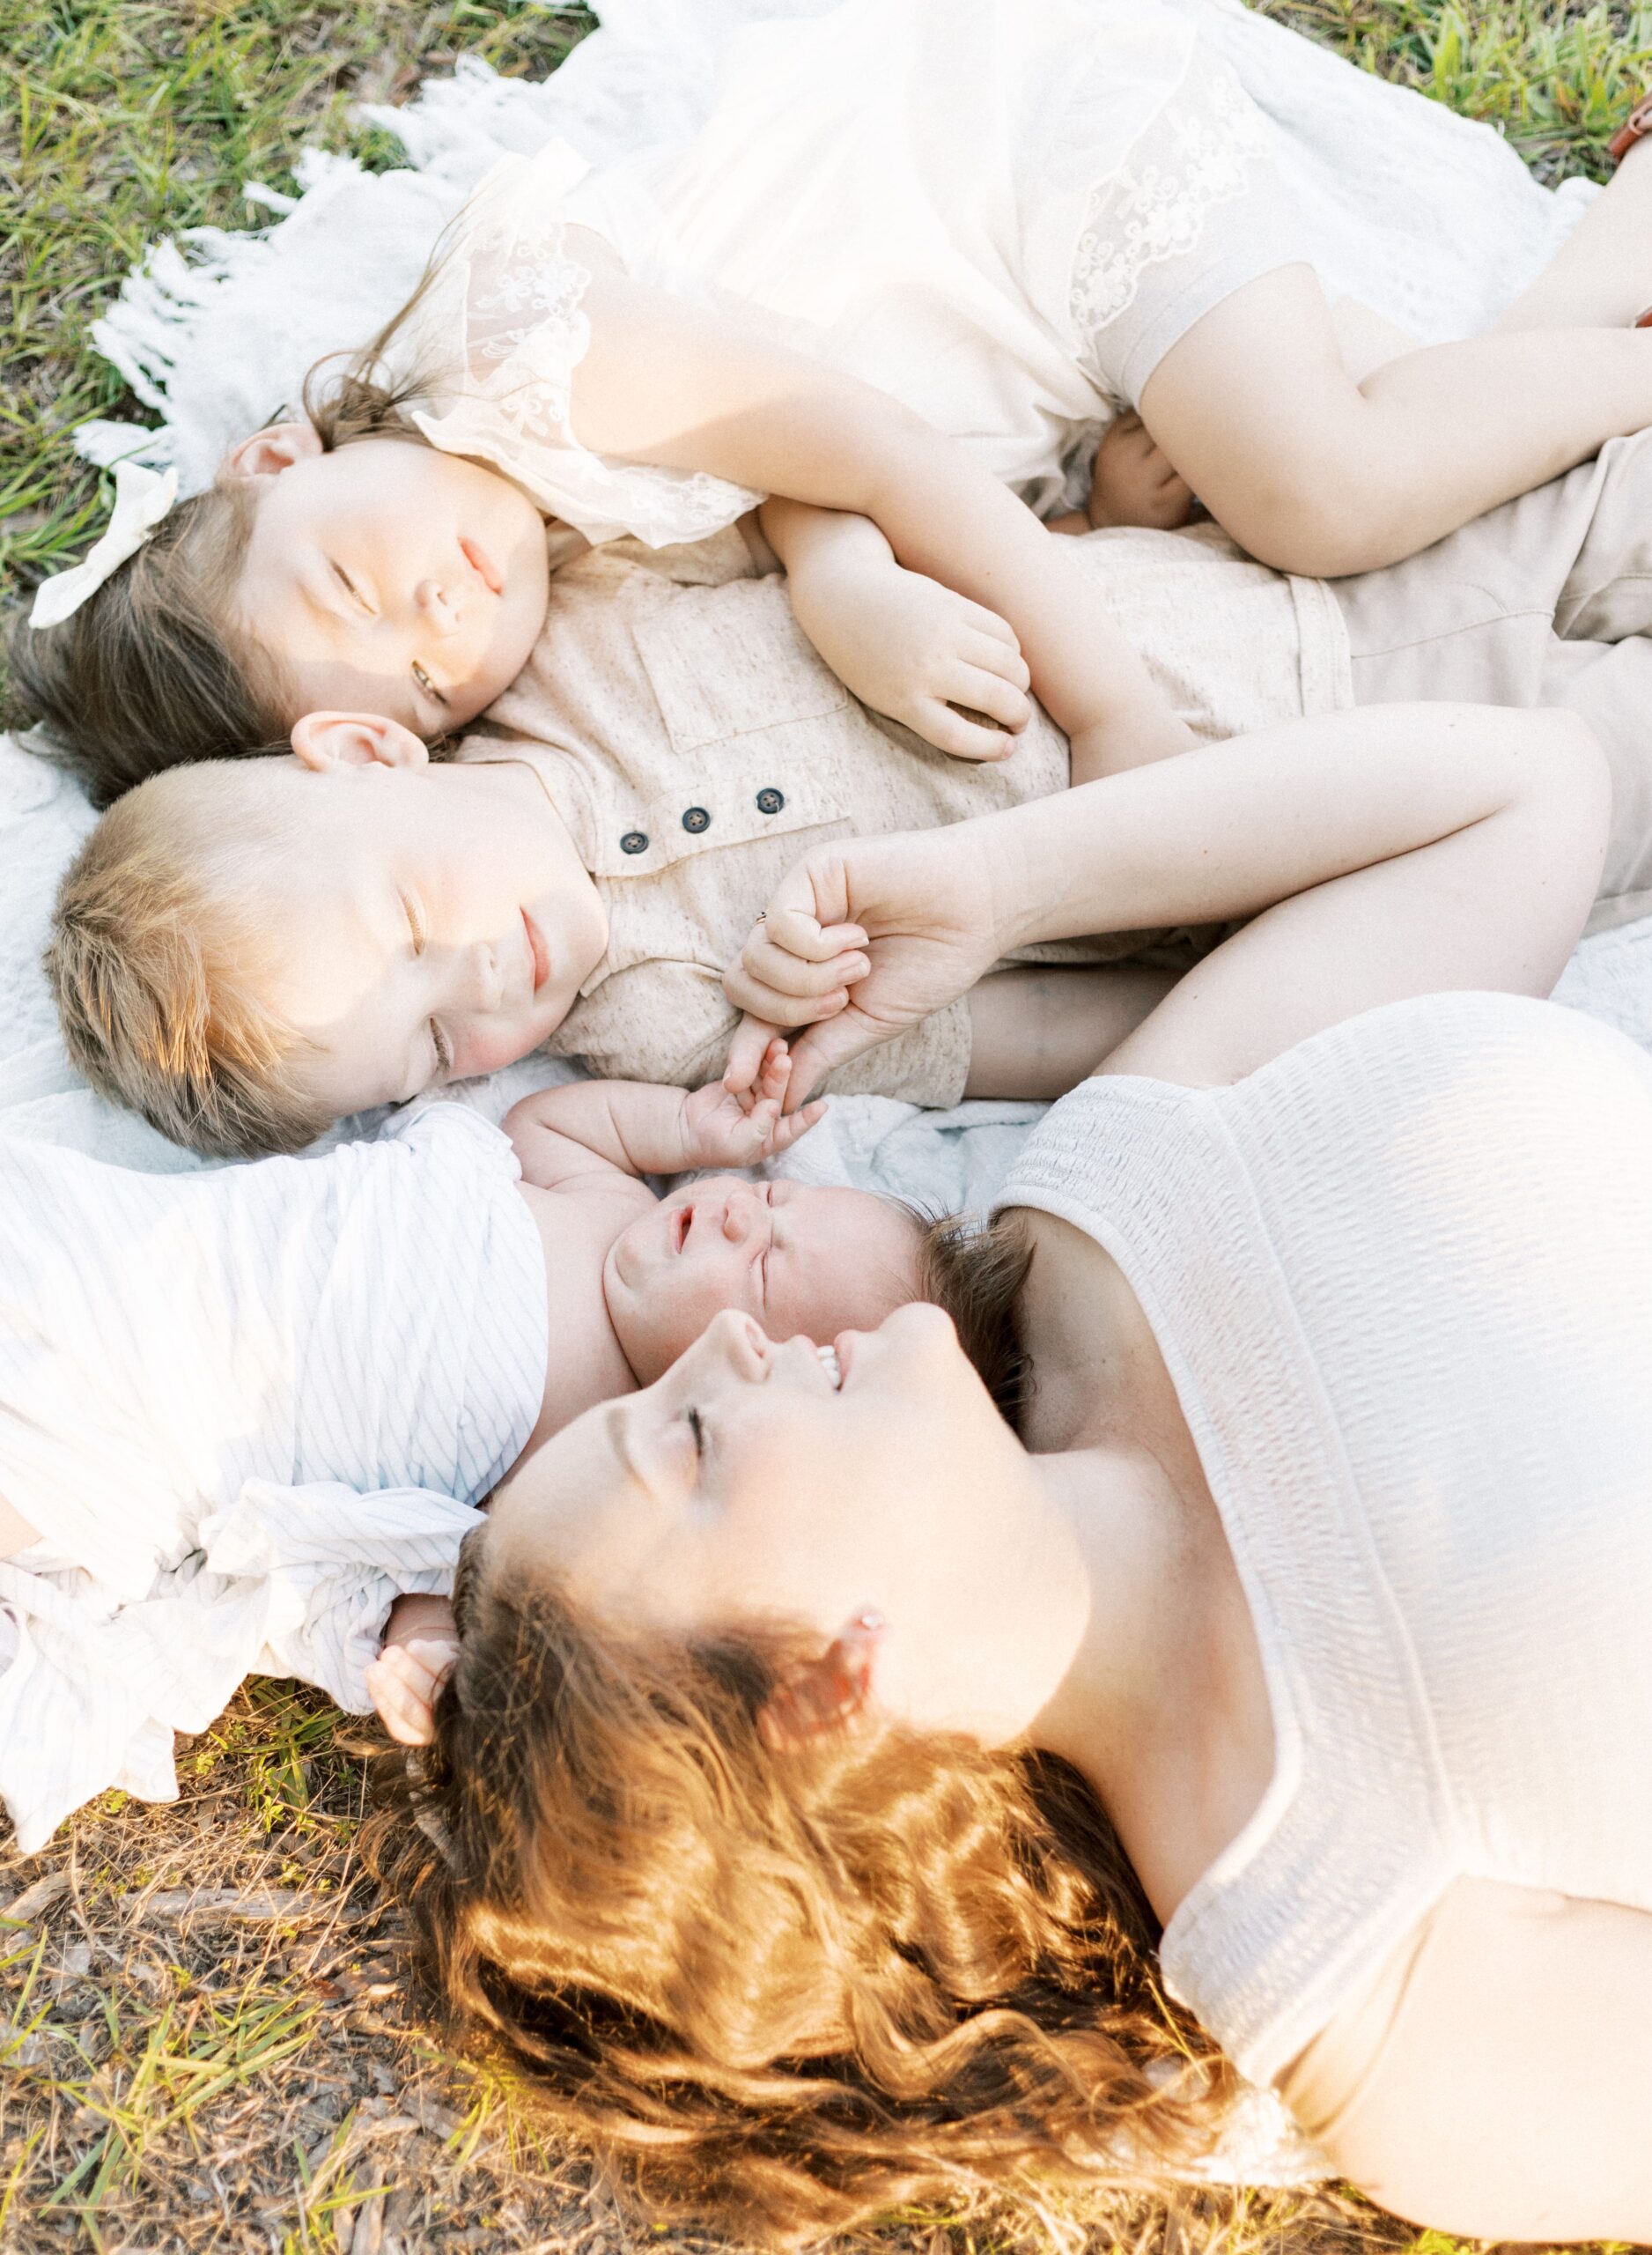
[(1037, 1029), (1601, 276), (1315, 473)]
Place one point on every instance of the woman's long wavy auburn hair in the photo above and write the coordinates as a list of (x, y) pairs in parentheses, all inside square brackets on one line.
[(777, 1992)]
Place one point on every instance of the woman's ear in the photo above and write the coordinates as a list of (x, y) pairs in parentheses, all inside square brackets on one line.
[(822, 1698), (271, 450), (324, 740)]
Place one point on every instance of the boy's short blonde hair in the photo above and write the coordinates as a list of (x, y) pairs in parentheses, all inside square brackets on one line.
[(158, 952)]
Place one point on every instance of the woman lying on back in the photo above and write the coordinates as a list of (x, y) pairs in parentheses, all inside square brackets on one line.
[(850, 1753)]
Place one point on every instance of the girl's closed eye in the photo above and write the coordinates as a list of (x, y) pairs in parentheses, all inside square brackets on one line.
[(351, 590)]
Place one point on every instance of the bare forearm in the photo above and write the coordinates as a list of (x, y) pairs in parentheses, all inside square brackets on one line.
[(1230, 829), (974, 535), (1038, 1030), (661, 382)]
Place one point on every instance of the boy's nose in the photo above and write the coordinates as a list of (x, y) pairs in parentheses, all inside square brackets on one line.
[(431, 600)]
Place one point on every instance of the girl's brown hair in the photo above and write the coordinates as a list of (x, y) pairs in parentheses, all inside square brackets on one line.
[(779, 1992), (152, 669)]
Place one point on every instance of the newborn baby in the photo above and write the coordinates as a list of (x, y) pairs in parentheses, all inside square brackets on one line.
[(638, 1277)]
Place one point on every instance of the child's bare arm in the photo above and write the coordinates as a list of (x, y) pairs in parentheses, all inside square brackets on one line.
[(1037, 1029), (911, 648), (665, 383), (614, 1132)]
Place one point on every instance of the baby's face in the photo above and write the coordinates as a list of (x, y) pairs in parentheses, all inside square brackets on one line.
[(387, 577), (436, 923), (799, 1258)]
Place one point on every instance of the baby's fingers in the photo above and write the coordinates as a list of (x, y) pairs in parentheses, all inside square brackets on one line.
[(785, 1131), (776, 1075), (747, 1055)]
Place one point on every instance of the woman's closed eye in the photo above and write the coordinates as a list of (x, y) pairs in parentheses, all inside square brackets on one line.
[(443, 1048), (695, 1425)]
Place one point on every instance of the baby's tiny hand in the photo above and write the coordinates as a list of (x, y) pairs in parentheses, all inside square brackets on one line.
[(1133, 482), (726, 1127), (403, 1682)]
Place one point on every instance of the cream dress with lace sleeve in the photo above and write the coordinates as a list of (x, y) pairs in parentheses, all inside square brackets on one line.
[(1002, 216)]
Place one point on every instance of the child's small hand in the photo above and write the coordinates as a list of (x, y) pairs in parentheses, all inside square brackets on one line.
[(728, 1126), (1133, 482), (403, 1682), (947, 668)]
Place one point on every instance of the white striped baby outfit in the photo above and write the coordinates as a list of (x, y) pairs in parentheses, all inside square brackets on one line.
[(243, 1410)]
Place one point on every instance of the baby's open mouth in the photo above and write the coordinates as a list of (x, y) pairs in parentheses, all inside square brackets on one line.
[(681, 1218)]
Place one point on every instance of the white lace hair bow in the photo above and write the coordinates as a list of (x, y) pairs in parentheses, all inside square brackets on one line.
[(141, 499)]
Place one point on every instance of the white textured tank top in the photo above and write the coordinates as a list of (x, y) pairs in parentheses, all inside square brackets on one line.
[(1402, 1280)]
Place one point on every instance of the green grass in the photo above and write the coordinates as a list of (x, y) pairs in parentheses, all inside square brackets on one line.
[(1556, 80), (125, 120), (201, 2041)]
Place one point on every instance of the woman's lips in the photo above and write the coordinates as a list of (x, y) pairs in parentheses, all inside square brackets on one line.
[(537, 949), (482, 565)]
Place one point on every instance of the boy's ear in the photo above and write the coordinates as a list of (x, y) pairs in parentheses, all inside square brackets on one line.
[(818, 1699), (324, 740), (271, 450)]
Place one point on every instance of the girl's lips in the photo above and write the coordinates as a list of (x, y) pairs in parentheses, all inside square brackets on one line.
[(482, 565), (540, 953), (844, 1347)]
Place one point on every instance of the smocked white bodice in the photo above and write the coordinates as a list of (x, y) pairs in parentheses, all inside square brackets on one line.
[(1402, 1279)]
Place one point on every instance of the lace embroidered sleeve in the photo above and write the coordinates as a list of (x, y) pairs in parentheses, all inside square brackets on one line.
[(492, 343), (1194, 210)]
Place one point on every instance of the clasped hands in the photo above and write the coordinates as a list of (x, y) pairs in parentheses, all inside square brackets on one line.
[(862, 939)]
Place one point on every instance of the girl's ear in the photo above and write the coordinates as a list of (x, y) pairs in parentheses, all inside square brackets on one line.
[(820, 1698), (270, 451), (324, 740)]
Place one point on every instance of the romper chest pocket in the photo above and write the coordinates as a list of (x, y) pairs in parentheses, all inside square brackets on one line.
[(761, 733), (724, 661)]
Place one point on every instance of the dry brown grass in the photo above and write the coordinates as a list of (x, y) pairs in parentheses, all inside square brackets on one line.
[(204, 2046)]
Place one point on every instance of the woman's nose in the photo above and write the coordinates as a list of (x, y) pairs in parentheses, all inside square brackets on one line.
[(738, 1343)]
